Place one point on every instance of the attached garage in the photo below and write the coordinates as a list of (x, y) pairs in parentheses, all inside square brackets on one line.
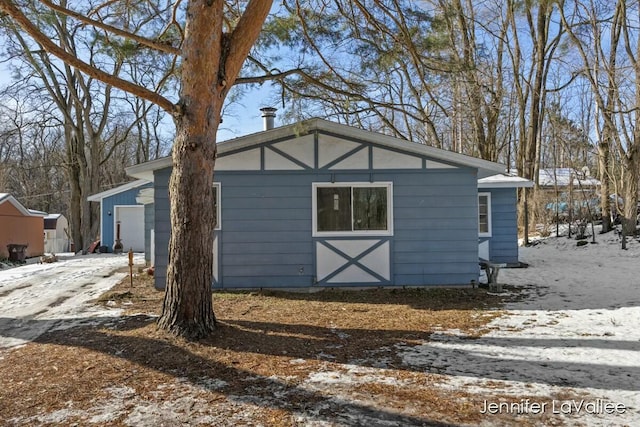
[(130, 221), (119, 210)]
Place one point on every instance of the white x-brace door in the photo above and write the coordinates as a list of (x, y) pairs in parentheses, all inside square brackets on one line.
[(353, 261)]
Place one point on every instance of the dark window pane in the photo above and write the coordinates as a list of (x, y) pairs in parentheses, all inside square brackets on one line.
[(334, 208), (370, 208)]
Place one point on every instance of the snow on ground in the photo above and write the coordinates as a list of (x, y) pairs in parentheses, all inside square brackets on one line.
[(577, 330), (572, 332), (36, 298)]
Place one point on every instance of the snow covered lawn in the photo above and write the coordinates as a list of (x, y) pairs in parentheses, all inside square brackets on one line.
[(576, 331)]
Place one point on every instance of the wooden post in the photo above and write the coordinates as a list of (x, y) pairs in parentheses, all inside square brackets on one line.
[(131, 266)]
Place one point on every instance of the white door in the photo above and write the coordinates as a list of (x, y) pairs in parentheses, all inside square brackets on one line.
[(131, 219)]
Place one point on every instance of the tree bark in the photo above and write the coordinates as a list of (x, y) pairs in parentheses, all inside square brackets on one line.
[(631, 174), (211, 62), (603, 171), (187, 308)]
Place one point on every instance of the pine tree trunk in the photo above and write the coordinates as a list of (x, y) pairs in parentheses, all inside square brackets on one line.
[(187, 309)]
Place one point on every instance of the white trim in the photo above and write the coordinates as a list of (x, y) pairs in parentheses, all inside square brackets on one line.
[(152, 247), (117, 190), (102, 221), (215, 267), (6, 197), (219, 210), (301, 129), (488, 233), (314, 211)]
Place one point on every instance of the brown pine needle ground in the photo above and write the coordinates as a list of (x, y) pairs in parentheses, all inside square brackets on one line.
[(259, 368)]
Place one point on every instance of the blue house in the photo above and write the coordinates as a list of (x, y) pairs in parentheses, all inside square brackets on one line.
[(498, 217), (119, 210), (319, 204)]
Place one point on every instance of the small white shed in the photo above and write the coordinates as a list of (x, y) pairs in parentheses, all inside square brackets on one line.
[(56, 234)]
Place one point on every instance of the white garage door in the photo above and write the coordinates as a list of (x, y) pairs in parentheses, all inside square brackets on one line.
[(131, 227)]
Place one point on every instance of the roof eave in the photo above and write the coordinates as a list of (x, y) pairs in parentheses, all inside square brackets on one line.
[(20, 207), (485, 168), (116, 190), (145, 170)]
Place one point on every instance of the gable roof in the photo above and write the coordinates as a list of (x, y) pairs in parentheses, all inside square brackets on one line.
[(562, 177), (485, 168), (117, 190), (51, 221), (8, 198)]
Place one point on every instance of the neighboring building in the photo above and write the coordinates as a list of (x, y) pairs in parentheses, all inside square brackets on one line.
[(145, 197), (319, 204), (20, 226), (565, 178), (56, 234), (561, 188), (120, 210), (498, 217)]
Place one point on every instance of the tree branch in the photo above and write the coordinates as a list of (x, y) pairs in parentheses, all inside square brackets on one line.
[(142, 40), (269, 76), (9, 8), (243, 37)]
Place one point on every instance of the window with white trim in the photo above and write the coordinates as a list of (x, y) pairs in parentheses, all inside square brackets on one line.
[(352, 208), (216, 204), (484, 214)]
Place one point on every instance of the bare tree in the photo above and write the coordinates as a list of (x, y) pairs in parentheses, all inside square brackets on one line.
[(628, 109), (88, 111), (585, 24), (612, 69), (31, 155), (211, 53), (478, 81)]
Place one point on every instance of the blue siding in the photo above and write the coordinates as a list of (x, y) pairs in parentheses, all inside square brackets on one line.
[(503, 243), (435, 219), (266, 237), (266, 223), (162, 225), (127, 197)]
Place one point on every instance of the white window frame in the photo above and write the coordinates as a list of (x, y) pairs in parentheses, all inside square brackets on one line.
[(488, 233), (314, 209), (218, 188)]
